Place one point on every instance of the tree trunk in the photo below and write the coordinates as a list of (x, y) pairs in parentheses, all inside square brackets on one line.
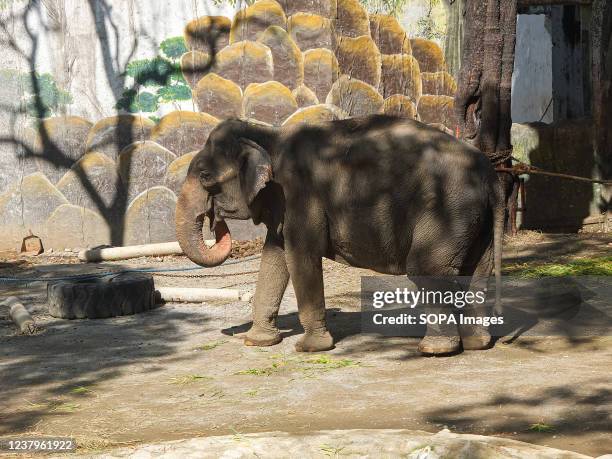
[(602, 95), (482, 102)]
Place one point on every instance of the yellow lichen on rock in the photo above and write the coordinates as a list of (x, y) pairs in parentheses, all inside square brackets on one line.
[(400, 75), (359, 58), (177, 171), (208, 33), (182, 131), (351, 19), (400, 105), (438, 83), (316, 114), (111, 135), (437, 109), (304, 96), (150, 216), (143, 165), (91, 181), (429, 55), (389, 35), (270, 102), (286, 56), (310, 31), (321, 70), (355, 97), (218, 97), (251, 21), (245, 62), (321, 7), (194, 65), (74, 226)]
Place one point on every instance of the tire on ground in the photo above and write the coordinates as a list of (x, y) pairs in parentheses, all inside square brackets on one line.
[(98, 298)]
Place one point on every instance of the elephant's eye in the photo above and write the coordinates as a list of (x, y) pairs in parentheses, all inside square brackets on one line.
[(206, 177)]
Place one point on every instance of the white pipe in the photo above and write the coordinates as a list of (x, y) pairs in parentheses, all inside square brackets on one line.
[(134, 251), (200, 295), (20, 315)]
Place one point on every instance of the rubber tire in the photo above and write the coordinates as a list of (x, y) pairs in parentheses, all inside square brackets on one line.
[(109, 296)]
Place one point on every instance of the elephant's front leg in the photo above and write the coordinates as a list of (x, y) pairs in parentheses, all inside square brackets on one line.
[(307, 278), (271, 284)]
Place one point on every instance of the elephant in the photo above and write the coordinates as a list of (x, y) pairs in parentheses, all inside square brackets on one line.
[(380, 192)]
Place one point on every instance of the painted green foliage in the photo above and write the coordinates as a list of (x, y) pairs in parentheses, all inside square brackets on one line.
[(157, 80), (42, 97)]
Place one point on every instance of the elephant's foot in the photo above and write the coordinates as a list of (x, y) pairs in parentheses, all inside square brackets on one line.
[(436, 345), (475, 338), (259, 336), (315, 342)]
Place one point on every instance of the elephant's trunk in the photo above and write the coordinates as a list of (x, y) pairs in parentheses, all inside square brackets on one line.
[(190, 214)]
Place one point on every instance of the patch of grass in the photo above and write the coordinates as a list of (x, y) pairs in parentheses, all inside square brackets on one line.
[(211, 345), (598, 266), (266, 371), (188, 379), (217, 393), (328, 362), (80, 390), (541, 427), (65, 407), (251, 393)]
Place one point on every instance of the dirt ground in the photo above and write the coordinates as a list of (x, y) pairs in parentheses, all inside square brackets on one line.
[(181, 370)]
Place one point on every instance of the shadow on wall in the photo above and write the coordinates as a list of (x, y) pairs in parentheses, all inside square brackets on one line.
[(555, 204)]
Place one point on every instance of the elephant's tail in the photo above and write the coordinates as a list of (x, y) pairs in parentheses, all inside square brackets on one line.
[(499, 216)]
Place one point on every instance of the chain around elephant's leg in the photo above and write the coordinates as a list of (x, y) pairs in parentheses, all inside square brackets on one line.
[(271, 284)]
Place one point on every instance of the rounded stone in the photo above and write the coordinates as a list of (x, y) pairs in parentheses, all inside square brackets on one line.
[(250, 22), (143, 165), (74, 226), (310, 31), (438, 83), (316, 114), (95, 172), (321, 7), (437, 109), (400, 105), (320, 71), (245, 62), (400, 75), (58, 143), (182, 131), (177, 171), (111, 135), (269, 102), (389, 35), (355, 97), (207, 33), (150, 217), (359, 58), (218, 97), (351, 19), (26, 206), (429, 55), (304, 96), (194, 65), (286, 56)]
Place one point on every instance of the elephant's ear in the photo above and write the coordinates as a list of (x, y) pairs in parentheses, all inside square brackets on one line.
[(256, 168)]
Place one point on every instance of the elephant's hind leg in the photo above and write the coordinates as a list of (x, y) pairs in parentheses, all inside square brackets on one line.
[(271, 284)]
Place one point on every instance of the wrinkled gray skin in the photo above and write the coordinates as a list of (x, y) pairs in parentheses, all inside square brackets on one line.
[(384, 193)]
